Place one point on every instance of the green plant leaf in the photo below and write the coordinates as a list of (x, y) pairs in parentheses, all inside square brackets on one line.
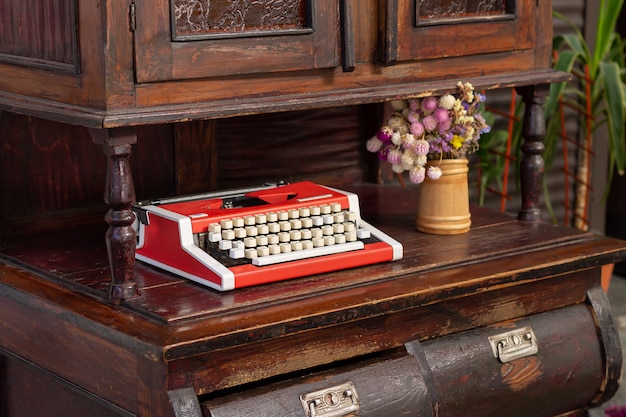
[(615, 97)]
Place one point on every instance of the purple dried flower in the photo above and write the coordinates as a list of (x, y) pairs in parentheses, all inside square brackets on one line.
[(421, 147), (384, 134), (444, 126)]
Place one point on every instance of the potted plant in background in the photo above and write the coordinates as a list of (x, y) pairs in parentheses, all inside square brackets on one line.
[(597, 95), (431, 138)]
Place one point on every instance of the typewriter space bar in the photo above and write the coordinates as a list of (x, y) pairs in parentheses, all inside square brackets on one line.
[(308, 253)]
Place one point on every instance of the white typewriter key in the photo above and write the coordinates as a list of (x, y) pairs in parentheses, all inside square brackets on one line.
[(329, 240), (238, 222), (335, 207), (272, 239), (338, 228), (306, 234), (215, 228), (351, 216), (351, 236), (273, 227), (325, 209), (315, 210), (238, 244), (263, 229), (328, 219), (327, 230), (294, 213), (285, 226), (251, 253), (236, 253), (295, 235), (363, 233), (262, 240), (296, 245), (318, 242), (228, 234), (340, 238), (215, 236), (305, 212), (274, 249), (296, 223), (240, 232), (317, 232), (225, 244), (307, 222), (307, 244), (349, 227), (262, 251), (249, 220), (283, 215), (249, 242), (339, 217), (252, 231), (260, 218), (271, 217), (284, 237), (285, 247), (317, 220), (226, 224)]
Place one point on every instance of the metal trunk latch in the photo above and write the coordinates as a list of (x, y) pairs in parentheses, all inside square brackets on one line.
[(514, 344), (337, 401)]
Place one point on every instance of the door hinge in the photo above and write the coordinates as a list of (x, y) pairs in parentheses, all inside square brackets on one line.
[(132, 16)]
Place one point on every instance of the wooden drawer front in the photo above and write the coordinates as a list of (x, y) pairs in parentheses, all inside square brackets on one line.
[(184, 39), (411, 34), (575, 365)]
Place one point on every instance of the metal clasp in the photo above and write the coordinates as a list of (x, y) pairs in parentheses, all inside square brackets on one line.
[(337, 401), (514, 344)]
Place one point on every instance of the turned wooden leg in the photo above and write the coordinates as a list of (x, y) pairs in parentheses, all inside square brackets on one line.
[(119, 195), (532, 167)]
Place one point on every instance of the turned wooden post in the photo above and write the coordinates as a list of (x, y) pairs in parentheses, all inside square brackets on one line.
[(532, 166), (119, 195)]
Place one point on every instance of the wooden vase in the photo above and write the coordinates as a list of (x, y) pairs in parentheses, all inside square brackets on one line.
[(443, 205)]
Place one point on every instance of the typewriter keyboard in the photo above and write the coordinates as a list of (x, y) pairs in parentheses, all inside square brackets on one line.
[(285, 235)]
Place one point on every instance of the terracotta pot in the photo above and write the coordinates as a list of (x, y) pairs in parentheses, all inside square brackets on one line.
[(443, 205)]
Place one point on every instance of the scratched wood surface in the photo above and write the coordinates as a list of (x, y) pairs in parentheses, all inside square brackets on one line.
[(178, 334)]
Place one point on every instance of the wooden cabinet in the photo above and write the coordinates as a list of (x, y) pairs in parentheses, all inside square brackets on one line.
[(116, 338)]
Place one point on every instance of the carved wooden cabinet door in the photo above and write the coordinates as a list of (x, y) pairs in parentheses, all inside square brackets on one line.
[(185, 39), (428, 29)]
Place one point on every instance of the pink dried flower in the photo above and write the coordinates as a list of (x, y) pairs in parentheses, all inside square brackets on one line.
[(442, 114), (430, 123), (421, 147), (434, 173), (394, 156), (444, 126), (417, 175), (417, 129), (429, 104), (374, 144)]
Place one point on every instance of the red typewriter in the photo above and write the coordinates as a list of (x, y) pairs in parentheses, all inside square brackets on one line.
[(239, 238)]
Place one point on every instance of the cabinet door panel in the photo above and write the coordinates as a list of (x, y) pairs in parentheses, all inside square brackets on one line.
[(183, 39), (427, 29)]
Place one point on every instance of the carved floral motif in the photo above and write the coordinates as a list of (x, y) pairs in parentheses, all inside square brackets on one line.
[(233, 16)]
